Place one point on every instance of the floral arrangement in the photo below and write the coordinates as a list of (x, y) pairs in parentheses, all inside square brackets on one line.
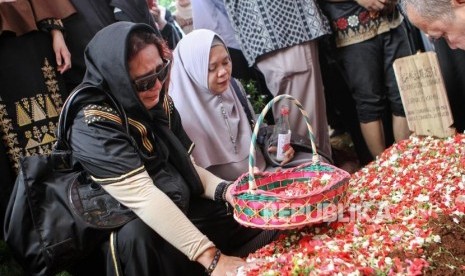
[(390, 204)]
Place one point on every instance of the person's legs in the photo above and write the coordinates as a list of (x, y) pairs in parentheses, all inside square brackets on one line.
[(396, 45), (374, 136), (400, 128), (296, 71), (141, 251), (362, 65), (339, 95)]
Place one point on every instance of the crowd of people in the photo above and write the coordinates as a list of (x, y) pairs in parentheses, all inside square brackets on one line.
[(177, 77)]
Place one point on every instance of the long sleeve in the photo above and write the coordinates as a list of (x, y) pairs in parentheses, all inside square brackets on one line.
[(158, 211), (102, 147), (209, 181)]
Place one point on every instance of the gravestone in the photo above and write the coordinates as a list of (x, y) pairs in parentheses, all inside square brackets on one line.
[(424, 96)]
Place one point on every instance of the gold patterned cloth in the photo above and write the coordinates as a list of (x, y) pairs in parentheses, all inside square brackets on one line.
[(31, 90), (31, 95), (29, 109)]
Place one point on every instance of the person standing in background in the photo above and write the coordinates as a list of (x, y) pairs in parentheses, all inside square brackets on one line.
[(91, 17), (212, 15), (280, 39), (183, 15), (33, 57), (165, 23), (370, 35)]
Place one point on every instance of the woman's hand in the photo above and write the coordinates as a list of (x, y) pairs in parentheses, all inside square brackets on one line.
[(372, 5), (228, 195), (288, 155), (227, 265), (158, 16), (62, 54)]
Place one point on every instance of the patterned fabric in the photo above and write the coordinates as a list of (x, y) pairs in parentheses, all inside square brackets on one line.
[(352, 23), (29, 111), (97, 113), (263, 26)]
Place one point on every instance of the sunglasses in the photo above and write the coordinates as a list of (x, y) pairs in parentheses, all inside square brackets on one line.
[(148, 82)]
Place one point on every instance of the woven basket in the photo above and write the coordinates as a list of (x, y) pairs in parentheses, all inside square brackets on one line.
[(307, 194)]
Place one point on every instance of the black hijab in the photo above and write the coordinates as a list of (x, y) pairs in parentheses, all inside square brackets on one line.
[(107, 69), (108, 73)]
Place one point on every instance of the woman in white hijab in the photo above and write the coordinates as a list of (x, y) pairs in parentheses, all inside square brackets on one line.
[(211, 111)]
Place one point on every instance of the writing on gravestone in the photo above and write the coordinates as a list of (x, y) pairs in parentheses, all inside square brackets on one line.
[(423, 95)]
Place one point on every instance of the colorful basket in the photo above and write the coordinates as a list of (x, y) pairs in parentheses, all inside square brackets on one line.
[(307, 194)]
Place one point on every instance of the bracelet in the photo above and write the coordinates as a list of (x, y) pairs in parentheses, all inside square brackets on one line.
[(214, 262), (220, 191), (223, 195), (47, 25)]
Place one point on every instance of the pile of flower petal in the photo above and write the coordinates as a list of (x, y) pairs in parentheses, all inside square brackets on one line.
[(390, 203)]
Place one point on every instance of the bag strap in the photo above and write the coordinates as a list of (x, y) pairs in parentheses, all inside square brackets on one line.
[(61, 155), (244, 103), (63, 121)]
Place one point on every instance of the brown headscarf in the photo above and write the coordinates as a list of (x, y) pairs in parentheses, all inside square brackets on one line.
[(21, 16)]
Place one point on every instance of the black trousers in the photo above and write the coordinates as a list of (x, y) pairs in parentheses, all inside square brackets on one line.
[(140, 251), (452, 64)]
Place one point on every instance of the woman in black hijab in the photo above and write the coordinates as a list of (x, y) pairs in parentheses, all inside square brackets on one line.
[(181, 207)]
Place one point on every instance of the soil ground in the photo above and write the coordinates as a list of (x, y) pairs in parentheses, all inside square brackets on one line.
[(446, 258)]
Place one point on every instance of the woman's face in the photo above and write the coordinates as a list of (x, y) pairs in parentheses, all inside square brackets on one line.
[(219, 69), (144, 64)]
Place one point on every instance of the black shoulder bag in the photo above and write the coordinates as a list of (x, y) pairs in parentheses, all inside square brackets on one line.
[(56, 215)]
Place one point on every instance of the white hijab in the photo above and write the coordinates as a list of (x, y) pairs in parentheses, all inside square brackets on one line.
[(200, 109)]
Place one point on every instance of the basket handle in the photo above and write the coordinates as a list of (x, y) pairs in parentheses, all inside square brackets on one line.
[(315, 158)]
